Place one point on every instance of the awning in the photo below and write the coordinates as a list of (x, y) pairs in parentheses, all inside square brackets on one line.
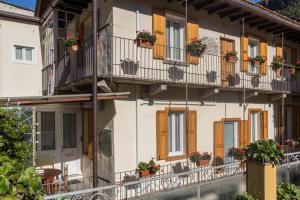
[(57, 99)]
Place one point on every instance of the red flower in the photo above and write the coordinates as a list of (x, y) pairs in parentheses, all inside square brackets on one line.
[(69, 35), (279, 146)]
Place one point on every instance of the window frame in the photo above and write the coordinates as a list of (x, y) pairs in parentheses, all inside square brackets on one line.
[(41, 132), (258, 135), (182, 151), (253, 69), (172, 18), (63, 132), (23, 60)]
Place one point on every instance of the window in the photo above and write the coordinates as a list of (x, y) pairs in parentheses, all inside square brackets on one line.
[(23, 54), (175, 38), (69, 130), (255, 126), (47, 131), (176, 133), (253, 49)]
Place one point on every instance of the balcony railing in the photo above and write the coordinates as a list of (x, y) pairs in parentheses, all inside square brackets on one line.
[(122, 59)]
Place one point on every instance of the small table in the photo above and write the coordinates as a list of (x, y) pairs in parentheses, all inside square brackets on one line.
[(48, 176)]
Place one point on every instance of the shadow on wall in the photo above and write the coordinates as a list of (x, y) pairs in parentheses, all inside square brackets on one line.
[(129, 67), (175, 73)]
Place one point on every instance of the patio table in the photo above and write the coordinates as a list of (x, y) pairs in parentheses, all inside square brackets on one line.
[(48, 177)]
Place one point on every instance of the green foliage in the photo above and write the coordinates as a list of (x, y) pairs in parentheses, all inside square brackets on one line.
[(151, 166), (231, 53), (286, 191), (146, 36), (143, 166), (16, 180), (245, 196), (196, 48), (277, 62), (265, 151), (237, 153), (71, 41), (197, 156)]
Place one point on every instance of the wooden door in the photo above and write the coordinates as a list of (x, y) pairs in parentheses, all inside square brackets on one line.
[(227, 69)]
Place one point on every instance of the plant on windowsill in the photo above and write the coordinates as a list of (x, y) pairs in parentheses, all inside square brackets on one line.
[(277, 65), (147, 169), (71, 43), (287, 191), (231, 57), (196, 48), (145, 39), (257, 61), (245, 196), (201, 159)]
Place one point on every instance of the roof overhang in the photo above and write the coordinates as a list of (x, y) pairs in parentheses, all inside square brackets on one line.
[(59, 99)]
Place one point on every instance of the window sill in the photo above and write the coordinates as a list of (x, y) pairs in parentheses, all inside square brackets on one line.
[(174, 158)]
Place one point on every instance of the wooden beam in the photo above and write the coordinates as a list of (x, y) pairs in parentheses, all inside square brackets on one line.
[(255, 23), (273, 28), (214, 9), (203, 4), (239, 16), (156, 89), (209, 92), (266, 25), (228, 12), (251, 19), (277, 97)]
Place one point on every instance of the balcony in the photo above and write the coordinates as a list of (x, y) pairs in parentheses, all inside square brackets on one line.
[(121, 60)]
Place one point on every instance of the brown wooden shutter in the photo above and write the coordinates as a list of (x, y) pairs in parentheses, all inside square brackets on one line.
[(192, 132), (162, 134), (219, 139), (244, 133), (244, 53), (264, 125), (159, 29), (279, 51), (264, 53), (192, 34), (295, 122)]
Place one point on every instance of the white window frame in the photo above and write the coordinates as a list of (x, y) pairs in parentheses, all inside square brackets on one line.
[(23, 60), (257, 134), (253, 69), (172, 18), (171, 127)]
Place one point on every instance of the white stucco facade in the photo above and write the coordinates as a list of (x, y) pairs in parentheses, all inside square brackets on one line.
[(19, 78)]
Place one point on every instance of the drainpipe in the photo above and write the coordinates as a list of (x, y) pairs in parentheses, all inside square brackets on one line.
[(95, 92), (34, 136)]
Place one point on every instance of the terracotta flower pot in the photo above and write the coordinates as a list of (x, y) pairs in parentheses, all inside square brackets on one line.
[(144, 44), (232, 59), (256, 63), (203, 163), (72, 49), (144, 173)]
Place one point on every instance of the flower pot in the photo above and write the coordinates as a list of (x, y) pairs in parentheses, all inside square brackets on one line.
[(144, 44), (256, 63), (278, 72), (202, 163), (231, 59), (72, 49), (144, 173), (261, 180)]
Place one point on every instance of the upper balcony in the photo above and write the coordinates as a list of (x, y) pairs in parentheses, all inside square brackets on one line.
[(123, 60)]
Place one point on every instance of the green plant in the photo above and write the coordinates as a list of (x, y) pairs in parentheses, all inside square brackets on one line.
[(196, 48), (231, 53), (286, 191), (237, 153), (260, 59), (197, 156), (143, 166), (153, 167), (146, 36), (265, 151), (277, 62), (245, 196), (71, 41)]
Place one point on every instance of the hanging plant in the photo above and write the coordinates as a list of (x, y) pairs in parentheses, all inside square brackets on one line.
[(71, 43), (196, 48), (231, 57), (145, 39), (257, 61), (277, 65)]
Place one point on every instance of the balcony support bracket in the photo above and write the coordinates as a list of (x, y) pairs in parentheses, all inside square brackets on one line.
[(250, 95), (103, 86), (156, 89), (208, 93), (277, 97)]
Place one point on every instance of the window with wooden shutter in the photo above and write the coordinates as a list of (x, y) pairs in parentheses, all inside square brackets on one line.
[(279, 51), (244, 133), (219, 139), (264, 125), (162, 134), (264, 53), (192, 132), (244, 53), (192, 34), (159, 29)]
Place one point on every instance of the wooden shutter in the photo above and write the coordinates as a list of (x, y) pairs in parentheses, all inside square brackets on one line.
[(244, 53), (192, 34), (159, 29), (295, 122), (162, 134), (264, 53), (264, 125), (192, 132), (244, 133), (279, 51), (219, 139)]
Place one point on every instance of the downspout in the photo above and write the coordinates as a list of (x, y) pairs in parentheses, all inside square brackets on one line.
[(282, 102)]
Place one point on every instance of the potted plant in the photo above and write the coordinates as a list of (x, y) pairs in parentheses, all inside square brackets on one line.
[(257, 61), (238, 154), (292, 70), (277, 65), (143, 169), (196, 48), (201, 159), (153, 167), (287, 191), (145, 39), (231, 57), (245, 196), (71, 43), (262, 158)]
